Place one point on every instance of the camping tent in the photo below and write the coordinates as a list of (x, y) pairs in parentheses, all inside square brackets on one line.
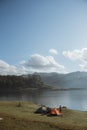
[(39, 110), (43, 109), (55, 112)]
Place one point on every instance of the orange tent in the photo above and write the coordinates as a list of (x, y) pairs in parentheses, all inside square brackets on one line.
[(54, 111)]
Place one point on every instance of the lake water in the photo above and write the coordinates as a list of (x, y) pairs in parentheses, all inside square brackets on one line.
[(73, 99)]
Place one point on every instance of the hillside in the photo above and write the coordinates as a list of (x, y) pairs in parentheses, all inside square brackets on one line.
[(70, 80), (21, 83), (75, 80)]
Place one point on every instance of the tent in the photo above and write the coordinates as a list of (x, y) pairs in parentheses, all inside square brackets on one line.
[(43, 109), (39, 110), (55, 112)]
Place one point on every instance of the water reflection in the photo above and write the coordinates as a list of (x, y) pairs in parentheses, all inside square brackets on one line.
[(76, 99)]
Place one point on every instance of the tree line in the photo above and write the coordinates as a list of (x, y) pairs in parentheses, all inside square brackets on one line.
[(15, 83)]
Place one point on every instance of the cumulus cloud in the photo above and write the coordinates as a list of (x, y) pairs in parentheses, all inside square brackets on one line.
[(6, 69), (53, 51), (41, 63), (36, 63), (83, 66), (76, 54)]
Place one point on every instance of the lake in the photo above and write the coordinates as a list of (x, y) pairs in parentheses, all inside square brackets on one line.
[(73, 99)]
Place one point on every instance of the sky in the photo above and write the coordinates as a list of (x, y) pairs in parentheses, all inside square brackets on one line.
[(43, 36)]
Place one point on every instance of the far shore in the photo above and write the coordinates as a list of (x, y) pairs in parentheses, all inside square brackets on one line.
[(42, 89)]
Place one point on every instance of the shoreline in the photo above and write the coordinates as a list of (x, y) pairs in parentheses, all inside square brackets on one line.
[(25, 113)]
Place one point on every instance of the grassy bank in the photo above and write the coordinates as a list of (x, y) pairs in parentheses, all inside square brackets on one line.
[(21, 116)]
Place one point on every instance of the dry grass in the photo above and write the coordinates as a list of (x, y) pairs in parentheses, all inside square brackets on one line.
[(21, 116)]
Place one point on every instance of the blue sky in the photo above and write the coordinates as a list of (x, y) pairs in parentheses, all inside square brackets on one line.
[(43, 36)]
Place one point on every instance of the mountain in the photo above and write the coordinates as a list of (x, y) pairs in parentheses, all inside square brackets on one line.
[(74, 80), (64, 81)]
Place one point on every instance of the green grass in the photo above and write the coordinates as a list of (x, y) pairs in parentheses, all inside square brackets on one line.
[(21, 116)]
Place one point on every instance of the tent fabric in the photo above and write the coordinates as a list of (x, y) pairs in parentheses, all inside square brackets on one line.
[(54, 111), (39, 110), (43, 109)]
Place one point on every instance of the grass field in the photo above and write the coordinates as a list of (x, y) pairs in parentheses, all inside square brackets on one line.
[(21, 116)]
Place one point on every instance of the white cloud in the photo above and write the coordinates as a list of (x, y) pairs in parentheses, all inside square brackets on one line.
[(41, 63), (36, 63), (3, 64), (83, 66), (6, 69), (76, 54), (73, 55), (53, 51)]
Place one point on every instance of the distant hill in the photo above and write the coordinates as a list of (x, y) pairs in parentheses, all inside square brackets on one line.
[(71, 80), (75, 80)]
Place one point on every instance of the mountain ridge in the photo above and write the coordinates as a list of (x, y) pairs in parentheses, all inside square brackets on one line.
[(35, 81), (70, 80)]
